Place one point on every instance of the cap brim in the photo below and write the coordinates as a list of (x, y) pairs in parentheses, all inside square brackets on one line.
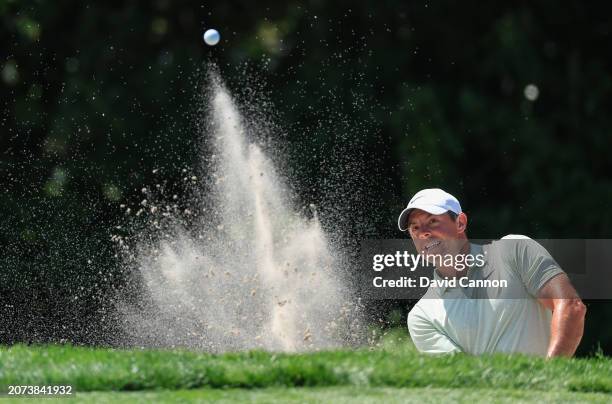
[(402, 220)]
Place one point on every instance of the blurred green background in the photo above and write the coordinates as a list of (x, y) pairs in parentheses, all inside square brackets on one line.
[(503, 105)]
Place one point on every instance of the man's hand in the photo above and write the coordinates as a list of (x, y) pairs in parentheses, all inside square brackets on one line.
[(568, 313)]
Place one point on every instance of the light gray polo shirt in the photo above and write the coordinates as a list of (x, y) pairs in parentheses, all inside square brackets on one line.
[(478, 320)]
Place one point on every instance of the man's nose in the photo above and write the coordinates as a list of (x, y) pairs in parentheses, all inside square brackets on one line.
[(424, 234)]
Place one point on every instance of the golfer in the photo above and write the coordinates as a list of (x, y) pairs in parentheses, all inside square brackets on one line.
[(539, 313)]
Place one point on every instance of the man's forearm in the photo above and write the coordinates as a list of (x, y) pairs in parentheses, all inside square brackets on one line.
[(567, 327)]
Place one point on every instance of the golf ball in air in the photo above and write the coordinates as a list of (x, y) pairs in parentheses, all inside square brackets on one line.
[(211, 37)]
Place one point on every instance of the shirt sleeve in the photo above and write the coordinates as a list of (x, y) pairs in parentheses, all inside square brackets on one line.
[(532, 262), (426, 337)]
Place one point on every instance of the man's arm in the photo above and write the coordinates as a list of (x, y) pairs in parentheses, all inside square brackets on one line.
[(568, 314)]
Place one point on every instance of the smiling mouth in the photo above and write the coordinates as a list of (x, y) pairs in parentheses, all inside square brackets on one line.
[(432, 244)]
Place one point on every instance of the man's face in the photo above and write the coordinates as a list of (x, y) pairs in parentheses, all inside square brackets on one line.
[(433, 234)]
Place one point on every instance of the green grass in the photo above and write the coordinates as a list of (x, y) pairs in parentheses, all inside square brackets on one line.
[(393, 369), (342, 394)]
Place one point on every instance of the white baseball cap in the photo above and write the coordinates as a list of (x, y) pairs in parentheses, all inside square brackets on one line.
[(431, 200)]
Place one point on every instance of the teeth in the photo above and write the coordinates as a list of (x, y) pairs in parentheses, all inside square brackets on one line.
[(430, 245)]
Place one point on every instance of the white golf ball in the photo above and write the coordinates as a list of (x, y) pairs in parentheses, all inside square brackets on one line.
[(212, 37)]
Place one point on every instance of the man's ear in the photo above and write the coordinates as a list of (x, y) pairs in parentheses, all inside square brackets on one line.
[(461, 222)]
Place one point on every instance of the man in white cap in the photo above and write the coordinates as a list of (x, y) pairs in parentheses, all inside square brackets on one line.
[(539, 313)]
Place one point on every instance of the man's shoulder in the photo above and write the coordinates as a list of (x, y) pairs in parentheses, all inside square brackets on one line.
[(526, 258), (515, 237), (508, 247), (509, 242), (517, 246)]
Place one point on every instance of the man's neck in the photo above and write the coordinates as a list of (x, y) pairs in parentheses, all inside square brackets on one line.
[(450, 271)]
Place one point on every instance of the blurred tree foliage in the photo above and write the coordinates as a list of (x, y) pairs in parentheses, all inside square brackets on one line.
[(503, 105)]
